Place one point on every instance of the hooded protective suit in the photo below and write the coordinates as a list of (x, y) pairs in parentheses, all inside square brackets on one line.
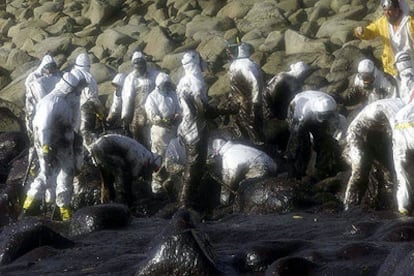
[(163, 112), (364, 141), (192, 130), (91, 106), (393, 42), (54, 127), (240, 162), (138, 84), (38, 84), (38, 72), (312, 117), (247, 84), (122, 159), (371, 84), (114, 115)]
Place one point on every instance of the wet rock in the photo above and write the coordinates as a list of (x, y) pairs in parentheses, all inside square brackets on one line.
[(291, 266), (257, 257), (99, 217), (18, 239), (181, 250), (11, 145), (399, 261), (397, 231), (269, 195)]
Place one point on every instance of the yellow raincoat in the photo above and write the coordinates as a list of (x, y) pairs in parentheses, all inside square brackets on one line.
[(379, 28)]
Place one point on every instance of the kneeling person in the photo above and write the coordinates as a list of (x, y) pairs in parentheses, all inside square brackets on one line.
[(239, 162)]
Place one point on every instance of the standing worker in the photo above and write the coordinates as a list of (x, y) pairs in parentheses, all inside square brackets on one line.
[(192, 130), (114, 115), (38, 84), (246, 80), (91, 106), (138, 84), (395, 28), (163, 112), (55, 126)]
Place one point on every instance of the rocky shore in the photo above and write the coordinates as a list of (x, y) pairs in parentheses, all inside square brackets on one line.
[(318, 32), (321, 240)]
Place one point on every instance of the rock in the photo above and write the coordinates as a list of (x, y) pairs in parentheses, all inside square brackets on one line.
[(398, 261), (17, 57), (158, 43), (264, 16), (99, 217), (205, 25), (180, 249), (55, 45), (296, 43), (292, 266), (266, 195), (111, 39), (16, 240), (102, 72), (100, 11), (257, 257)]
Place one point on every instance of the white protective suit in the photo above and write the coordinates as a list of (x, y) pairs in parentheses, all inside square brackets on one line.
[(307, 106), (163, 110), (313, 120), (403, 148), (91, 106), (240, 162), (405, 68), (38, 84), (376, 117), (192, 130), (54, 127), (38, 72), (138, 84), (381, 87), (125, 159), (246, 80), (281, 89), (115, 110)]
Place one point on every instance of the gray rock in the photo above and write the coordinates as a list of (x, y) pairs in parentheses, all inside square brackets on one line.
[(55, 45), (265, 16), (102, 72), (273, 42), (158, 43), (17, 57), (100, 11), (110, 39), (296, 43), (207, 24)]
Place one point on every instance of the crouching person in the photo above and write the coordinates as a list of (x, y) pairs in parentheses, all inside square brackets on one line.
[(55, 125), (368, 139), (239, 162), (121, 160), (314, 122)]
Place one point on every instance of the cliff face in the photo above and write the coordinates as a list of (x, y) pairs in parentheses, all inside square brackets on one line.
[(281, 32)]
